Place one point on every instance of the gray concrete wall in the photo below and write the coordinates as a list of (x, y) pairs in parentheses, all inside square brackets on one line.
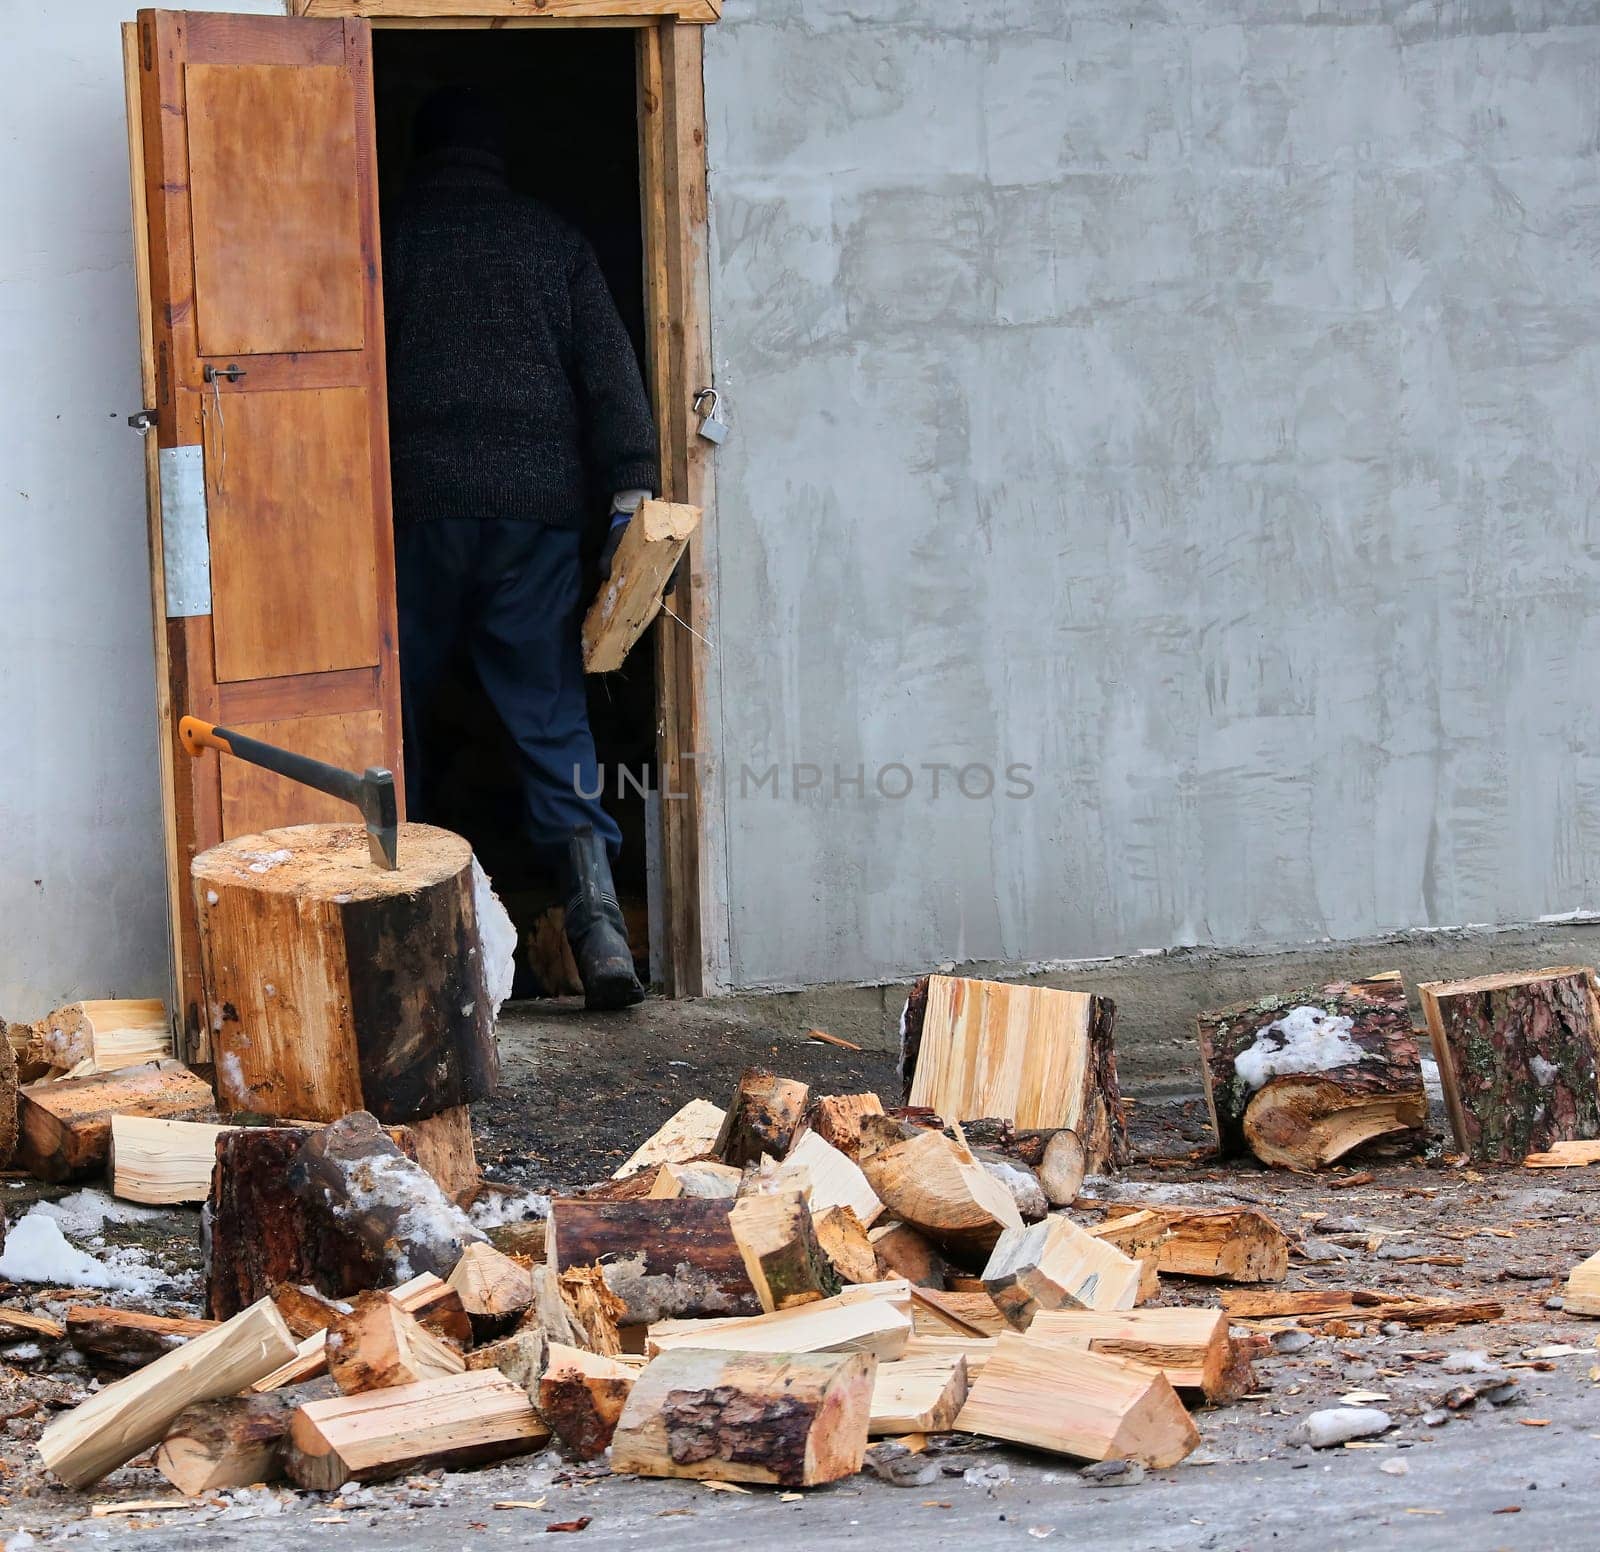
[(1192, 399)]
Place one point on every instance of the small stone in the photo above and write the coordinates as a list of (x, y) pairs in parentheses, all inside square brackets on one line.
[(1339, 1226), (1291, 1341), (1498, 1393), (1319, 1250), (1112, 1473), (1335, 1425), (900, 1467), (1436, 1418), (1468, 1361), (1555, 1302), (1394, 1328), (1395, 1468), (992, 1478)]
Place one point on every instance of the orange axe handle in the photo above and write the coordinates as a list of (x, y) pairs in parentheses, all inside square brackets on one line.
[(198, 736)]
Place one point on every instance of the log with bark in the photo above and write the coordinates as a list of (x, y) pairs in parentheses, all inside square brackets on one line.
[(456, 1420), (662, 1259), (1055, 1155), (793, 1419), (1307, 1077), (1519, 1058), (378, 1346), (236, 1441), (779, 1246), (765, 1117), (1226, 1244), (64, 1125), (126, 1338), (1192, 1347), (581, 1396), (1056, 1265), (936, 1186), (493, 1289), (334, 985), (836, 1118), (1040, 1058)]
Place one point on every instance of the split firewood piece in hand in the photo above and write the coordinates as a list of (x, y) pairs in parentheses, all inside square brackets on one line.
[(455, 1420), (844, 1244), (779, 1246), (1051, 1397), (129, 1338), (936, 1186), (493, 1289), (1304, 1078), (630, 597), (1055, 1155), (581, 1395), (873, 1318), (792, 1419), (1227, 1244), (378, 1346), (689, 1133), (836, 1119), (918, 1395), (1034, 1056), (765, 1117), (236, 1441), (1057, 1265), (1519, 1058), (1192, 1347), (127, 1417)]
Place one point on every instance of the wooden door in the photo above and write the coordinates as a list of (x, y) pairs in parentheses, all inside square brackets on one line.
[(256, 219)]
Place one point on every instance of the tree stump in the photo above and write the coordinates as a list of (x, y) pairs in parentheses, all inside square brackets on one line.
[(1304, 1078), (1518, 1057), (8, 1102)]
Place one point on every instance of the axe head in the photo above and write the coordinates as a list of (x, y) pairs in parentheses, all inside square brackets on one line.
[(381, 812)]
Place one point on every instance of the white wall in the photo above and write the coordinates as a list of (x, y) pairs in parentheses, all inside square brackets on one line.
[(82, 884)]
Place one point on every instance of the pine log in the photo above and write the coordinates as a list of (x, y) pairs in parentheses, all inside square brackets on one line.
[(520, 1357), (304, 1310), (84, 1038), (493, 1289), (781, 1256), (836, 1119), (630, 598), (581, 1396), (161, 1162), (662, 1259), (127, 1417), (1228, 1244), (1056, 1265), (378, 1346), (453, 1421), (1192, 1347), (794, 1419), (829, 1178), (1582, 1293), (1051, 1397), (236, 1441), (1031, 1055), (1519, 1058), (690, 1133), (845, 1246), (872, 1319), (334, 985), (390, 1204), (707, 1179), (903, 1251), (765, 1116), (1055, 1155), (1285, 1043), (937, 1187), (64, 1125), (918, 1395), (127, 1338)]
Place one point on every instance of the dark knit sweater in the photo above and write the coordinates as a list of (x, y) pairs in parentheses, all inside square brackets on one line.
[(514, 390)]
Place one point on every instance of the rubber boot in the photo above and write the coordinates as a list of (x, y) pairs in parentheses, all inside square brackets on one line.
[(595, 928)]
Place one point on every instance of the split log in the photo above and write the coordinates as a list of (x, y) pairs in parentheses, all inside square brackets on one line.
[(1051, 1397), (85, 1038), (918, 1395), (690, 1133), (1031, 1055), (436, 1305), (1519, 1058), (829, 1178), (836, 1119), (706, 1179), (1582, 1292), (24, 1323), (390, 1204), (1314, 1306), (1055, 1155), (937, 1187), (127, 1338), (845, 1246), (595, 1313), (24, 1057), (1056, 1265), (1192, 1347), (1564, 1155), (334, 985), (785, 1265), (794, 1420), (975, 1351), (8, 1110), (765, 1117), (64, 1125), (904, 1252), (660, 1258), (126, 1418), (446, 1150), (520, 1357), (1312, 1075), (1228, 1244), (161, 1162), (310, 1361), (868, 1319), (581, 1396), (304, 1310), (234, 1442), (377, 1346), (493, 1289), (453, 1421), (630, 598), (1139, 1236), (963, 1313)]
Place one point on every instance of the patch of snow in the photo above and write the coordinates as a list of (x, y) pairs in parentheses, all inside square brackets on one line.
[(22, 1352), (422, 1214), (88, 1211), (266, 861), (1432, 1083), (37, 1252), (497, 935), (230, 1079), (494, 1208), (1545, 1073), (212, 897), (1305, 1039)]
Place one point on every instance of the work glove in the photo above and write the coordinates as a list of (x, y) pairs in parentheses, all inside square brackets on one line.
[(608, 552)]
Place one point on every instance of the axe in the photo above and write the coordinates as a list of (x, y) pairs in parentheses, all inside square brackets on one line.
[(372, 792)]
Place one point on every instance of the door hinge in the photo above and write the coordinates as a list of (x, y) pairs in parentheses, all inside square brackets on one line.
[(143, 420)]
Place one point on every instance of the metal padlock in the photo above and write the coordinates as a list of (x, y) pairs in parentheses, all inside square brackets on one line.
[(712, 426)]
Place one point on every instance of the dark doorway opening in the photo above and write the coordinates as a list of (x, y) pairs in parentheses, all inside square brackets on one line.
[(568, 96)]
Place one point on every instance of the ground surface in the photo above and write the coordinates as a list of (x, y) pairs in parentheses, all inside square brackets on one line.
[(581, 1091)]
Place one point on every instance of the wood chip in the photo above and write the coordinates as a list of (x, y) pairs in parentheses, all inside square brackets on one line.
[(825, 1038), (726, 1487), (521, 1503), (144, 1506)]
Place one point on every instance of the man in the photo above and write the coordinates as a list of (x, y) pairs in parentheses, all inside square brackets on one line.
[(514, 393)]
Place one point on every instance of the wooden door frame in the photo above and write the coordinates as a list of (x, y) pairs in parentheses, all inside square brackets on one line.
[(669, 54)]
